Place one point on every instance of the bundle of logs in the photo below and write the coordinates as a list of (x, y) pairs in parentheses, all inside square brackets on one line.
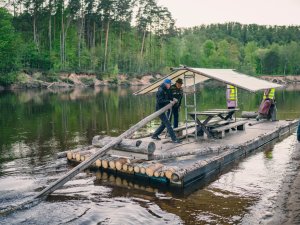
[(120, 163)]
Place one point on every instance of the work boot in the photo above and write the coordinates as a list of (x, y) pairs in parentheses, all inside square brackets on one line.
[(155, 137), (177, 141)]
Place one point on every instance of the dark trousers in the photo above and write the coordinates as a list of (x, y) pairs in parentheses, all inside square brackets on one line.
[(229, 116), (165, 123), (175, 115)]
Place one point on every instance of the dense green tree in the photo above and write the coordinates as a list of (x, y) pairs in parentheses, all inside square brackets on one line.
[(101, 36), (9, 45)]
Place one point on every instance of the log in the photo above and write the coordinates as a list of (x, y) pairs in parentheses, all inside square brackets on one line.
[(157, 173), (112, 162), (152, 168), (83, 153), (160, 172), (130, 163), (120, 162), (130, 168), (136, 168), (246, 114), (128, 145), (143, 169), (179, 174), (77, 157), (169, 172), (105, 162), (98, 163), (125, 166), (60, 155), (69, 155), (85, 157), (74, 155), (101, 152)]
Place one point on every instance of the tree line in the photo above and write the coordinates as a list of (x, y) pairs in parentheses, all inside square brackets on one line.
[(109, 37)]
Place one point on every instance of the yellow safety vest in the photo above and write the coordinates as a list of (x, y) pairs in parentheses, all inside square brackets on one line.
[(271, 94), (233, 93)]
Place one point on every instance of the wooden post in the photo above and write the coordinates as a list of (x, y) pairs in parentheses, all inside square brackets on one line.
[(101, 152)]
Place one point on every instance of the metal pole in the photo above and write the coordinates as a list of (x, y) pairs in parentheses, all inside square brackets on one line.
[(195, 105), (185, 108)]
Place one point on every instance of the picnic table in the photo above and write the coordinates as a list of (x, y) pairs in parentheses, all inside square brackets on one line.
[(204, 126)]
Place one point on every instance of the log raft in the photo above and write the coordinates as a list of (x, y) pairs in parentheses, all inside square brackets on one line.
[(184, 169)]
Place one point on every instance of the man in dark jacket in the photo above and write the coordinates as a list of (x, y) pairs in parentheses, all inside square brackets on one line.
[(176, 91), (298, 132), (163, 99)]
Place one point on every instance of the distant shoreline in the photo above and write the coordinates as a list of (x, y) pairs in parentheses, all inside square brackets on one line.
[(72, 80)]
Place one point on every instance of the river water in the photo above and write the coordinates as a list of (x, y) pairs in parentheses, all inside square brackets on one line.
[(37, 124)]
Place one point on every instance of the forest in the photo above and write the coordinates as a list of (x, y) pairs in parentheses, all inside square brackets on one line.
[(133, 37)]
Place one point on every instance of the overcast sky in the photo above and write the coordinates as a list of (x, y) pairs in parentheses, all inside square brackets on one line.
[(188, 13)]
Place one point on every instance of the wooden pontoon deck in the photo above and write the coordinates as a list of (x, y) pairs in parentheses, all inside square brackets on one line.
[(190, 161)]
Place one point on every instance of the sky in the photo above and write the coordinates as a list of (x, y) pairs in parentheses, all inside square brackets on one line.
[(188, 13)]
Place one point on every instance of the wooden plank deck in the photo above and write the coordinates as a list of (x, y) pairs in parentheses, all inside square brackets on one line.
[(193, 159)]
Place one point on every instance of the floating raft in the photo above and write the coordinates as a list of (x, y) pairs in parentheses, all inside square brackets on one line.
[(182, 164)]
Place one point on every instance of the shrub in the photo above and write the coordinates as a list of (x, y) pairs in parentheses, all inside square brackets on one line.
[(87, 81), (8, 79)]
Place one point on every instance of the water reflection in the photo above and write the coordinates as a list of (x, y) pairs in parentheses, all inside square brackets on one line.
[(34, 125)]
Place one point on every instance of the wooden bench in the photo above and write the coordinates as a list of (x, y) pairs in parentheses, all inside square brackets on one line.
[(219, 132)]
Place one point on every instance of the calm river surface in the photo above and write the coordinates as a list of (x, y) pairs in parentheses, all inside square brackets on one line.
[(34, 125)]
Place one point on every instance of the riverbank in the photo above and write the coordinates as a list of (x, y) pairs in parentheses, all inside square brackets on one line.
[(72, 80), (282, 79)]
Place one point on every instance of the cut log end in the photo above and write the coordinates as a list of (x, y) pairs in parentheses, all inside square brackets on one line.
[(125, 167), (136, 169), (105, 164), (112, 164), (98, 163), (169, 173), (120, 163), (69, 155), (77, 157), (175, 177), (152, 168), (143, 170), (130, 168)]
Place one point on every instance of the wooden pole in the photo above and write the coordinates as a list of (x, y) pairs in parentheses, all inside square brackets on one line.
[(101, 152)]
